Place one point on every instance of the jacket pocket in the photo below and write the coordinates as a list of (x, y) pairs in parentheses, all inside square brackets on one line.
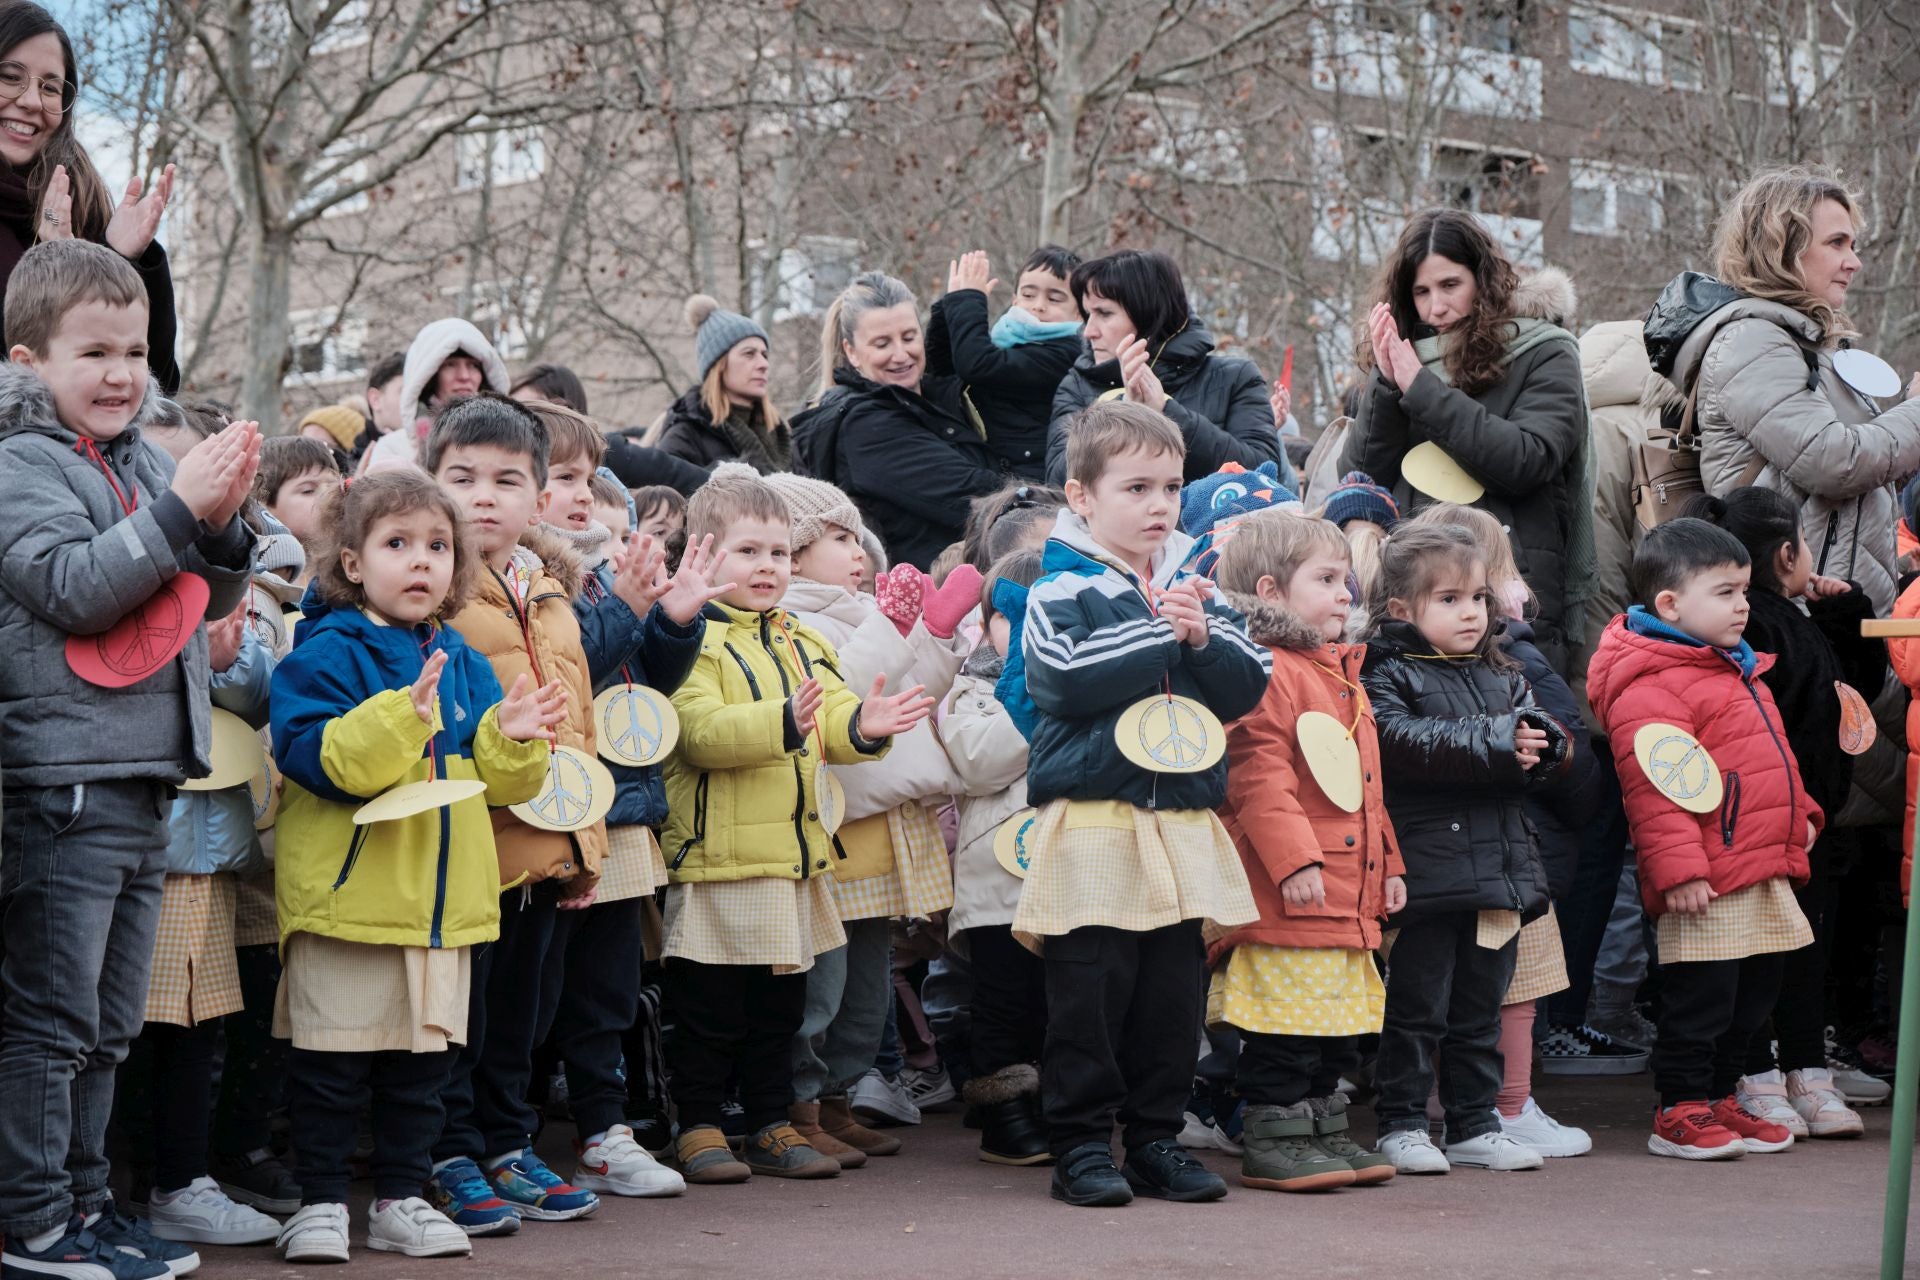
[(1729, 809), (699, 822), (354, 846)]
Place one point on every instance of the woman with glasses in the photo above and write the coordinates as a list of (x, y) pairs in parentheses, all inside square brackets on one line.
[(49, 189)]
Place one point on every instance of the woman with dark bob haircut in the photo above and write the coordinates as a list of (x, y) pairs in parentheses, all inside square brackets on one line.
[(1497, 387), (1144, 342)]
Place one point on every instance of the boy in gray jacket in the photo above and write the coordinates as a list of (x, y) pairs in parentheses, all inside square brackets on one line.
[(93, 524)]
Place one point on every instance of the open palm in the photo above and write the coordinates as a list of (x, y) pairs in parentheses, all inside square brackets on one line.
[(692, 585)]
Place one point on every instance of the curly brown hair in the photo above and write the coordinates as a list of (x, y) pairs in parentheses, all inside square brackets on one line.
[(1476, 357), (354, 511)]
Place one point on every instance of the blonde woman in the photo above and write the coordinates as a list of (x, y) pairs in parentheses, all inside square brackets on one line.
[(1761, 355), (728, 417)]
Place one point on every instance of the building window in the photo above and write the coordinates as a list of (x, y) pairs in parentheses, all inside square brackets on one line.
[(326, 346), (1795, 72), (1494, 25), (1611, 201), (801, 282), (1489, 182), (1626, 45), (503, 311), (498, 157), (341, 166)]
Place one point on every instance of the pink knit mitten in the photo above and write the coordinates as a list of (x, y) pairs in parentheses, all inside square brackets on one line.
[(900, 592), (952, 601)]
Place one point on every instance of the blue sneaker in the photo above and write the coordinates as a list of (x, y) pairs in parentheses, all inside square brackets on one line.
[(537, 1192), (77, 1255), (463, 1193), (133, 1236)]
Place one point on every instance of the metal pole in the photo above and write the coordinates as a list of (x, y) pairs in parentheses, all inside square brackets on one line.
[(1893, 1235)]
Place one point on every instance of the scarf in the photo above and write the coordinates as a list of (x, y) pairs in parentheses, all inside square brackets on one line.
[(764, 451), (590, 542), (1583, 561), (1643, 622), (1018, 328)]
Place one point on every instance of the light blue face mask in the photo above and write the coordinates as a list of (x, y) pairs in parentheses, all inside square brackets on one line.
[(1018, 328)]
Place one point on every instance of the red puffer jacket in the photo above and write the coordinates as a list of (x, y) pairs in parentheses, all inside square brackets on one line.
[(1279, 818), (1760, 828)]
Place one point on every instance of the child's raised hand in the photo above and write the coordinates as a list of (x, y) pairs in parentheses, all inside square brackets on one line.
[(1396, 895), (528, 714), (1530, 743), (1820, 587), (1304, 888), (971, 272), (901, 593), (639, 576), (882, 715), (426, 689), (1137, 376), (225, 637), (1181, 606), (241, 485), (1282, 402), (692, 587), (206, 475), (805, 705), (1691, 898)]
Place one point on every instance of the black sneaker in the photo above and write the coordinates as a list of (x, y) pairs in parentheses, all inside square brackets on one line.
[(258, 1178), (654, 1135), (1583, 1051), (1010, 1133), (1086, 1176), (1166, 1170)]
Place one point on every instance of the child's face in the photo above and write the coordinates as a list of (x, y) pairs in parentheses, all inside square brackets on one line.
[(614, 516), (1046, 297), (96, 366), (755, 556), (301, 500), (834, 558), (405, 565), (1710, 606), (999, 633), (662, 522), (569, 494), (495, 491), (1454, 615), (1316, 593), (1130, 509)]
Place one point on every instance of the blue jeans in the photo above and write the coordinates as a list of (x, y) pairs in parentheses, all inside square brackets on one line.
[(80, 875), (849, 1006)]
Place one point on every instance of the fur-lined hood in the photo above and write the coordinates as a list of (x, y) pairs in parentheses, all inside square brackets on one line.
[(1547, 294), (557, 556), (26, 404), (1274, 625)]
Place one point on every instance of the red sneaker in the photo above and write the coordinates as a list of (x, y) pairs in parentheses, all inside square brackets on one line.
[(1693, 1131), (1758, 1134)]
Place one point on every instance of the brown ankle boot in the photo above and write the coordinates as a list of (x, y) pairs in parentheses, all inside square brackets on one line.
[(805, 1118), (836, 1117)]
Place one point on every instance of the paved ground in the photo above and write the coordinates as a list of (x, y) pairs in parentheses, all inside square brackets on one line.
[(1807, 1214)]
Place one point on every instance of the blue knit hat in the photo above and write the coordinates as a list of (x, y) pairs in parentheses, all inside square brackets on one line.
[(1211, 506), (716, 332), (1359, 498)]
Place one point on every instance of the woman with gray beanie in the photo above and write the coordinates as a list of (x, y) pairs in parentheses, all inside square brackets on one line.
[(728, 416)]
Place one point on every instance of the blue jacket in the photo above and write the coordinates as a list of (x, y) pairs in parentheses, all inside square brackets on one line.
[(212, 831), (1093, 648), (655, 651)]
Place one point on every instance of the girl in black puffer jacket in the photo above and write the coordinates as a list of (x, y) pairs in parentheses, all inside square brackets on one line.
[(1462, 744)]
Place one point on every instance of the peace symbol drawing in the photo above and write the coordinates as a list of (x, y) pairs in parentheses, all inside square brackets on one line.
[(1678, 766), (263, 788), (829, 800), (1010, 847), (578, 793), (1168, 733), (636, 725), (144, 641)]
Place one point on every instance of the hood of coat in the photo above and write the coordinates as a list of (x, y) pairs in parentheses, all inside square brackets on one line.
[(1614, 365), (26, 407), (804, 595), (1277, 626), (1547, 294), (1176, 362), (1700, 306), (397, 649), (557, 556), (1627, 653), (1071, 548), (430, 349)]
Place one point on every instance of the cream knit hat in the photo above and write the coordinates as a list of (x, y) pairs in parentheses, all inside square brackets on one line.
[(814, 504)]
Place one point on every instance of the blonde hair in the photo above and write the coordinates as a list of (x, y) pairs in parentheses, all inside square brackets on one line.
[(721, 501), (1274, 543), (1766, 228), (868, 291), (1487, 531), (719, 405), (1364, 539), (1106, 429)]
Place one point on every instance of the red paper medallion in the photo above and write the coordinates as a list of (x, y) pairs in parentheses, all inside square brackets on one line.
[(145, 640)]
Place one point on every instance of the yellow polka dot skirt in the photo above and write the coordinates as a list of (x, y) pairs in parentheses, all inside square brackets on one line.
[(1298, 991)]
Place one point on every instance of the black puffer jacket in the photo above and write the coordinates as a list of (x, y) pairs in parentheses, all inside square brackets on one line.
[(691, 435), (1012, 387), (1560, 813), (1221, 403), (1455, 788), (1802, 679)]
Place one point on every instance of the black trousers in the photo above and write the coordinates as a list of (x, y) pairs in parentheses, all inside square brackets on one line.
[(164, 1102), (1584, 912), (733, 1021), (1799, 1019), (324, 1096), (1123, 1021), (595, 993), (1280, 1070), (1009, 1011), (1443, 994), (644, 1044), (253, 1076), (1709, 1011)]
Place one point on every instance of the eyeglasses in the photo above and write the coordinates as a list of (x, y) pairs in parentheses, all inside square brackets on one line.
[(56, 95)]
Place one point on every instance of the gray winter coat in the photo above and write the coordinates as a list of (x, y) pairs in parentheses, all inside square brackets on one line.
[(73, 562), (1825, 446)]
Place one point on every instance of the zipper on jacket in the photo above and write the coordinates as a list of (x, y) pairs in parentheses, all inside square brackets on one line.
[(753, 685), (353, 855), (1833, 527), (1730, 809), (799, 778), (446, 849), (1786, 757), (699, 820)]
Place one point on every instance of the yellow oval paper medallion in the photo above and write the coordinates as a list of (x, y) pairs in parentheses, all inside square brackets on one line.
[(418, 797), (1333, 758), (1170, 734), (263, 788), (830, 802), (579, 792), (1678, 766), (635, 725), (1857, 729), (1432, 470), (236, 755), (1010, 847)]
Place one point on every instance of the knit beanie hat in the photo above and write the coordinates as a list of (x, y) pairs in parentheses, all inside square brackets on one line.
[(813, 504), (342, 422), (716, 332), (1359, 498)]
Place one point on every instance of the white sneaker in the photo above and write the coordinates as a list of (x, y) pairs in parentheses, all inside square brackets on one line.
[(1859, 1088), (1538, 1131), (1822, 1109), (1765, 1095), (317, 1233), (415, 1228), (621, 1166), (1412, 1151), (877, 1098), (928, 1089), (1495, 1149), (1195, 1133), (203, 1214)]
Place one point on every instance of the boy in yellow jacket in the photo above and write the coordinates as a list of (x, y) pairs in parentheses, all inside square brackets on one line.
[(747, 842)]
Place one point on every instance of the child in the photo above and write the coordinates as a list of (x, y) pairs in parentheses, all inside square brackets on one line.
[(1015, 516), (380, 943), (612, 506), (491, 456), (296, 484), (1127, 863), (1806, 668), (661, 514), (749, 908), (1301, 984), (1718, 881), (94, 523), (333, 427), (448, 360), (1012, 369), (891, 858), (1366, 514), (1462, 744), (1009, 1013)]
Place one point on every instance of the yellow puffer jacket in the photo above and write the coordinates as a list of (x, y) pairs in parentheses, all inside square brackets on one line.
[(741, 799), (539, 639)]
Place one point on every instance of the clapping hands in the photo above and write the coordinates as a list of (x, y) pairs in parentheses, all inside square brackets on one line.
[(1183, 606), (1393, 354)]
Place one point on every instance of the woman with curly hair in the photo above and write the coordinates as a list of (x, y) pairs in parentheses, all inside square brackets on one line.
[(1462, 358)]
